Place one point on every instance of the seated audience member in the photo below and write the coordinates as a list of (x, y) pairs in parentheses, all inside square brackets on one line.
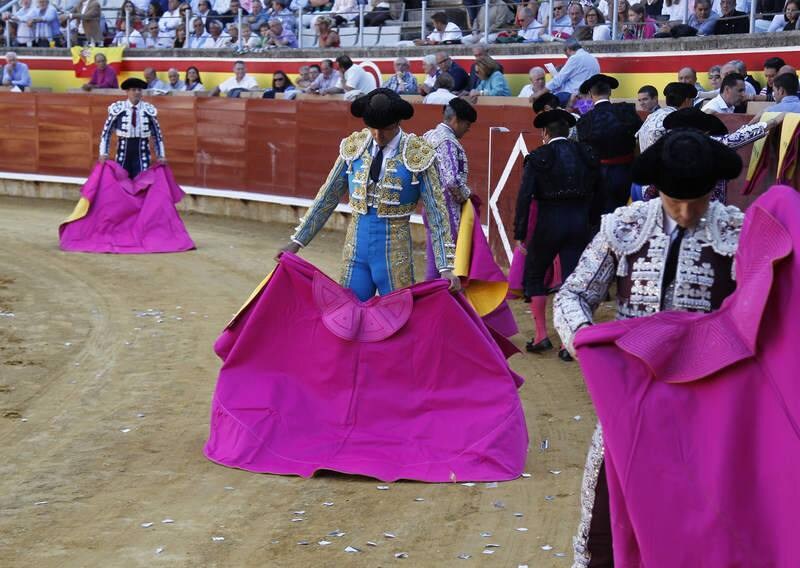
[(281, 83), (688, 76), (561, 27), (703, 19), (791, 16), (128, 9), (674, 10), (640, 25), (103, 76), (622, 17), (328, 81), (326, 35), (377, 13), (280, 36), (124, 39), (192, 80), (731, 95), (444, 31), (446, 65), (151, 38), (597, 22), (169, 21), (442, 91), (354, 79), (536, 76), (240, 81), (305, 77), (732, 21), (653, 8), (499, 17), (431, 71), (249, 39), (575, 15), (771, 68), (257, 17), (152, 80), (492, 81), (403, 81), (715, 77), (751, 86), (530, 28), (218, 39), (199, 36), (233, 31), (180, 37), (344, 12), (15, 73), (231, 15), (206, 13), (647, 99), (785, 89), (174, 82)]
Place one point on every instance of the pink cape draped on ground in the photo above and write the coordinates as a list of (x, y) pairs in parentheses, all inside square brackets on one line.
[(701, 413), (118, 215), (410, 385)]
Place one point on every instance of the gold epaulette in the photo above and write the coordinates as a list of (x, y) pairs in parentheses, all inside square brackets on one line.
[(354, 145), (418, 155)]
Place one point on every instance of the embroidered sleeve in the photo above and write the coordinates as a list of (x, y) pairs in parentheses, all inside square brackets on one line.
[(745, 135), (584, 289), (444, 251), (158, 139), (324, 204), (450, 172)]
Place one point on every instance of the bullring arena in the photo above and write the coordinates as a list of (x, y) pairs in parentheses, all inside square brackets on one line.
[(106, 361)]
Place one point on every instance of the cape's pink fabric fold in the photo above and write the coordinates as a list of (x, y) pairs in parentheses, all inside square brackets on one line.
[(128, 216), (701, 413), (313, 379)]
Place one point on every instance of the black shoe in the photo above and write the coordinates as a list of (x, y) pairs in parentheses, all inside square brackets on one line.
[(564, 355), (543, 345)]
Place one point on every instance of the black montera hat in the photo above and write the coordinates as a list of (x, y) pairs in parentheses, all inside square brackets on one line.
[(595, 79), (686, 164), (695, 118), (381, 108), (682, 90), (556, 115), (547, 99), (133, 83), (464, 110)]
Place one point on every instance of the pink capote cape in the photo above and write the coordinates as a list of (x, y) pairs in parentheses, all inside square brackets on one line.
[(118, 215), (409, 385), (701, 413)]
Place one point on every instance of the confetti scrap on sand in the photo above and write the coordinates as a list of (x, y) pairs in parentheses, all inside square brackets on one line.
[(352, 549)]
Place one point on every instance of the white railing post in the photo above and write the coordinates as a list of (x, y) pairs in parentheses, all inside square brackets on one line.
[(550, 18), (239, 41), (361, 25), (188, 26), (300, 28), (685, 11), (69, 32), (127, 29), (422, 22), (752, 16), (486, 22), (615, 19)]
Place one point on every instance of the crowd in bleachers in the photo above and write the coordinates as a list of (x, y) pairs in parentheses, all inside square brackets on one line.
[(256, 24)]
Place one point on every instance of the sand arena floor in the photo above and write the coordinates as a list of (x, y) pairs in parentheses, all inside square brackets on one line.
[(106, 375)]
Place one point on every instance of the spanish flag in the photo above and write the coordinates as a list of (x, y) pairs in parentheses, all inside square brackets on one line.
[(83, 59)]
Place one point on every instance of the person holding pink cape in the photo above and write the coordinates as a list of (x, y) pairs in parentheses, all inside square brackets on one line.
[(127, 206)]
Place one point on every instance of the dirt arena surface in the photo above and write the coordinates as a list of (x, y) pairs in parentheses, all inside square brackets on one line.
[(106, 377)]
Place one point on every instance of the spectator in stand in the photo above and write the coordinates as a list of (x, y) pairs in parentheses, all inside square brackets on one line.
[(231, 15), (123, 39), (444, 31), (771, 68), (152, 80), (174, 82), (647, 98), (688, 76), (561, 23), (217, 39), (785, 89), (403, 81), (344, 12), (732, 20), (249, 39), (103, 76), (530, 28), (355, 79), (15, 73), (154, 11), (88, 15), (732, 94), (257, 16), (640, 25), (129, 8), (751, 87), (240, 81), (205, 13), (674, 10), (575, 15), (169, 21), (328, 80), (263, 36), (580, 66), (280, 36), (703, 19), (447, 65), (192, 80), (180, 37), (154, 39), (442, 91), (499, 17), (597, 22), (24, 34), (41, 20), (304, 77), (326, 35), (281, 83), (473, 8), (715, 78), (431, 70), (199, 36), (536, 76), (478, 51), (492, 81), (791, 16), (314, 71), (622, 17)]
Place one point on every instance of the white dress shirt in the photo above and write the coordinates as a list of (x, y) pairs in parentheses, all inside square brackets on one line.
[(389, 151), (451, 33), (718, 105), (439, 97)]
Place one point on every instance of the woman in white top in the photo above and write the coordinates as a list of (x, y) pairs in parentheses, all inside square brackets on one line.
[(676, 9), (594, 19)]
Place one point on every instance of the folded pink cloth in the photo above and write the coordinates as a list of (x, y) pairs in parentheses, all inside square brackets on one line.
[(701, 413), (410, 385), (120, 215)]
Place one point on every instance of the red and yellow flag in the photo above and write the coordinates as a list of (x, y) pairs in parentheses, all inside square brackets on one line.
[(83, 59)]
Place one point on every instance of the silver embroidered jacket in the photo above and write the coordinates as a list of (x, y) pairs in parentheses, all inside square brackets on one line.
[(631, 248), (119, 120)]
